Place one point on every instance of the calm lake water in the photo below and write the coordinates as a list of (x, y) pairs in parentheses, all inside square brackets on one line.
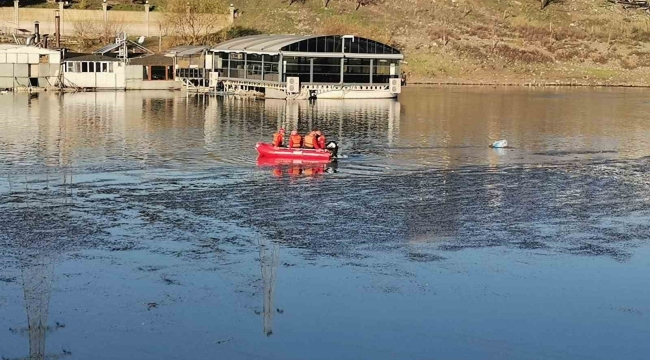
[(140, 225)]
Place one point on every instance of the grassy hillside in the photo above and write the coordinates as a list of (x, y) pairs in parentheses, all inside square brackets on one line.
[(482, 41)]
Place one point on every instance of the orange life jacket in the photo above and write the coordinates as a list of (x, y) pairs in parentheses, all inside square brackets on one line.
[(278, 139), (296, 141), (321, 141), (309, 140)]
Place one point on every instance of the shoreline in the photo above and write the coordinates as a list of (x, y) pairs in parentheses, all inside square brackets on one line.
[(415, 84), (522, 84)]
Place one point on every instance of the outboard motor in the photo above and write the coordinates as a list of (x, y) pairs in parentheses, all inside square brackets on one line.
[(333, 148)]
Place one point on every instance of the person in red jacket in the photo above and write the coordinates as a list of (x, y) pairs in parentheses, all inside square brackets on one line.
[(320, 140), (278, 138), (295, 140), (317, 144)]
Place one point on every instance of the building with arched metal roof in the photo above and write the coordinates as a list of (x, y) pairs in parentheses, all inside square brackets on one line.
[(300, 66)]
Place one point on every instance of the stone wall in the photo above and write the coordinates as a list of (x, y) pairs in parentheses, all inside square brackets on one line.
[(134, 23)]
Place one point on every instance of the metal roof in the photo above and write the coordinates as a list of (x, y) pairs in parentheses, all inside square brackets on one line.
[(273, 45), (90, 57), (260, 43), (157, 59), (185, 50), (107, 48)]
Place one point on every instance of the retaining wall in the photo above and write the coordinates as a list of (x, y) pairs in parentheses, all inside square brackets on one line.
[(134, 23)]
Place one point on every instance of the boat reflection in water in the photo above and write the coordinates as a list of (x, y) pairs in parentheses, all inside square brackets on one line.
[(294, 168)]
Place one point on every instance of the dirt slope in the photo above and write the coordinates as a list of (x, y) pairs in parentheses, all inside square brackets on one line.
[(590, 42)]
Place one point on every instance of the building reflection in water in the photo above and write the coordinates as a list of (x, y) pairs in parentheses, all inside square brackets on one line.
[(443, 127), (121, 129), (237, 119)]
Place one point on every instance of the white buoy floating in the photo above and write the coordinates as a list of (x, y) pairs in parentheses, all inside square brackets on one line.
[(499, 144)]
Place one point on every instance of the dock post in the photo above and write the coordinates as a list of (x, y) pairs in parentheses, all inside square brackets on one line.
[(62, 18), (57, 27), (105, 9), (16, 17)]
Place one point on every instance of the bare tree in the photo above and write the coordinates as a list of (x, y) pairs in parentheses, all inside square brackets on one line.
[(192, 19), (84, 32), (88, 32)]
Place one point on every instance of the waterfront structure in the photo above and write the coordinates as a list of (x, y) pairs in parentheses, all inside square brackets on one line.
[(189, 62), (302, 67), (122, 65), (155, 67), (27, 67), (92, 71), (101, 72)]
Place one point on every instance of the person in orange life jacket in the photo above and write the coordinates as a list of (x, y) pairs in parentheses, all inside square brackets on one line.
[(310, 140), (295, 140), (278, 138)]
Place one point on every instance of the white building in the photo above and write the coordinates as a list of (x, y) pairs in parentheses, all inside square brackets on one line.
[(98, 72), (28, 66)]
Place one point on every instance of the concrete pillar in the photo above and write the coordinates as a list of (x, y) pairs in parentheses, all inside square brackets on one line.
[(262, 72), (311, 70), (105, 10), (16, 16), (280, 69), (62, 17), (146, 16), (372, 62), (342, 69), (231, 19)]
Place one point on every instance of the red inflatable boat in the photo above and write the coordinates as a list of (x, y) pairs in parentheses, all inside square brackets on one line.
[(276, 161), (270, 151)]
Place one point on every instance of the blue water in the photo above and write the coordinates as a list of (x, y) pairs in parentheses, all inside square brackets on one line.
[(138, 225)]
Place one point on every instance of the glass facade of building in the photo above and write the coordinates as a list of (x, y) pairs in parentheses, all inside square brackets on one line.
[(316, 60), (334, 44)]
